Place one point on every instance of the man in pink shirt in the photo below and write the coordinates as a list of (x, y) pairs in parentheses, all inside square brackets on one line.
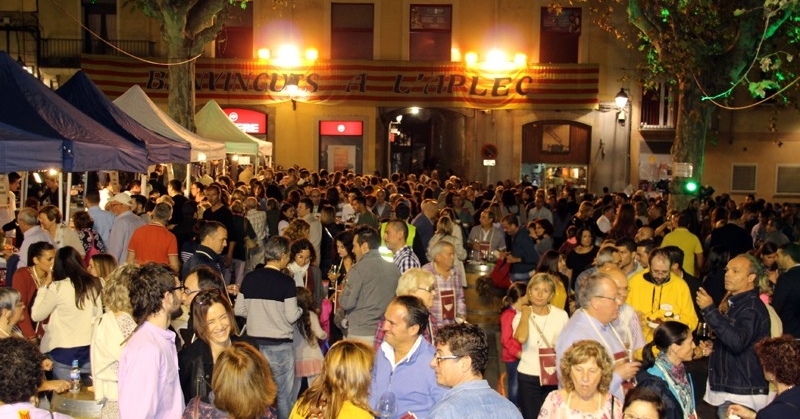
[(148, 369)]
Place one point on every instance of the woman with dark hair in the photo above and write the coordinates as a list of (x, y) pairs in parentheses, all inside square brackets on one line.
[(84, 226), (305, 343), (330, 228), (214, 323), (541, 231), (72, 301), (665, 372), (287, 214), (551, 263), (20, 379), (38, 273), (242, 387), (778, 357), (715, 266), (624, 226), (511, 348), (337, 274), (302, 268), (767, 254), (582, 256), (643, 403)]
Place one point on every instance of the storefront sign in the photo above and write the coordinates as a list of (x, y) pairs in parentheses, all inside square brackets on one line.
[(364, 83), (248, 120)]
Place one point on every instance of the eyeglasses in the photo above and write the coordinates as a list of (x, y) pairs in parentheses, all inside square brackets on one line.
[(187, 291), (616, 299), (432, 288), (178, 288), (440, 358), (629, 416)]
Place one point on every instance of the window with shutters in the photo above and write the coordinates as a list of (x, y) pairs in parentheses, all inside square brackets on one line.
[(743, 178), (352, 31), (786, 179)]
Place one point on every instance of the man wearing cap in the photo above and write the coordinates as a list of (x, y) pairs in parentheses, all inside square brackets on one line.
[(124, 225)]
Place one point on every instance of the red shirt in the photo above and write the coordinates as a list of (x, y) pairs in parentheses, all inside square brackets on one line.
[(153, 243)]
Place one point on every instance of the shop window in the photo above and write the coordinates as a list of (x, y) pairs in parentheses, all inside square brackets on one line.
[(560, 34), (235, 40), (786, 176), (352, 31), (743, 178), (657, 109), (430, 32)]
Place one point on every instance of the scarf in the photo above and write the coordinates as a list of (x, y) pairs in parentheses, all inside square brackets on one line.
[(678, 382), (298, 273)]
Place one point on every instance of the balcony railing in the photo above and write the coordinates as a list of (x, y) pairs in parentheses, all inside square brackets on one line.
[(58, 52)]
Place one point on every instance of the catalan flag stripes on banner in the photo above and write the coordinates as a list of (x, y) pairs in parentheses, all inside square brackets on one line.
[(363, 83)]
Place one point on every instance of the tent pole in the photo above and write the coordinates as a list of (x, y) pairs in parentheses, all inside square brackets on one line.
[(60, 192), (68, 198), (144, 186), (187, 183)]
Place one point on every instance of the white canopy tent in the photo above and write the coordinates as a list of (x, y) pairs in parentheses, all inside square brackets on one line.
[(136, 104), (212, 123)]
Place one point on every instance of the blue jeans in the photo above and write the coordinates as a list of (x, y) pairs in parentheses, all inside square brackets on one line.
[(281, 362), (521, 276), (61, 371), (513, 384)]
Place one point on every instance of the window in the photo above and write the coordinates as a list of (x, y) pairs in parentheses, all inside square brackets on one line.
[(352, 27), (744, 177), (100, 17), (657, 109), (786, 176), (430, 32), (560, 33), (236, 38)]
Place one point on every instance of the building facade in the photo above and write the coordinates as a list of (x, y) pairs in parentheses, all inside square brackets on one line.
[(486, 89)]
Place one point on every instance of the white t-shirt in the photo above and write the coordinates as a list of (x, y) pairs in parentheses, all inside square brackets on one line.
[(551, 325)]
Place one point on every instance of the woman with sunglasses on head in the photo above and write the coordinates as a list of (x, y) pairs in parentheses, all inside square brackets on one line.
[(215, 326)]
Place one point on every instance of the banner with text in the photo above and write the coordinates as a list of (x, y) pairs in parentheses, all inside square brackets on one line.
[(362, 83)]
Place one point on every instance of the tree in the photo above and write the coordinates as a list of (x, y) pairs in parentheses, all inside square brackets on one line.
[(186, 26), (702, 46)]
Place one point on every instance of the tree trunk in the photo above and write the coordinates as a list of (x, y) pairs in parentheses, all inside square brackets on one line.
[(691, 128), (181, 101)]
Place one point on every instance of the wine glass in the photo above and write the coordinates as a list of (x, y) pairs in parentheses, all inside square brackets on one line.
[(704, 332), (387, 405)]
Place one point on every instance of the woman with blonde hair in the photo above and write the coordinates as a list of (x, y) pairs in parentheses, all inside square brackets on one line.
[(111, 332), (50, 219), (536, 326), (586, 371), (342, 388), (243, 387), (418, 283), (101, 265)]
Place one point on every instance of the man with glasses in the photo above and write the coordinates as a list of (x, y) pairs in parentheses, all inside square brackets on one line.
[(462, 352), (658, 295), (600, 302), (148, 368), (402, 362)]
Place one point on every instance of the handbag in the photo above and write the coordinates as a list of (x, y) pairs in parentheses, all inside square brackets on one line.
[(547, 362), (501, 274)]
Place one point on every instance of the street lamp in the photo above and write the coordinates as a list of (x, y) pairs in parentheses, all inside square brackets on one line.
[(291, 88), (621, 99)]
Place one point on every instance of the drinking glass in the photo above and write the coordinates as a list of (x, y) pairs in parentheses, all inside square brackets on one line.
[(704, 332), (387, 405)]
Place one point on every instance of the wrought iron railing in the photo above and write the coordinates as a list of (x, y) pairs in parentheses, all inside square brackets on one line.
[(58, 52)]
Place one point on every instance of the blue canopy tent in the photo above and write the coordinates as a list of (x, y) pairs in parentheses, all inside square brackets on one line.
[(82, 93), (16, 146), (29, 105)]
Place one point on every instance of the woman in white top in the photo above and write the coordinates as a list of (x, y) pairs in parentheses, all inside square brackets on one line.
[(114, 328), (72, 301), (536, 326)]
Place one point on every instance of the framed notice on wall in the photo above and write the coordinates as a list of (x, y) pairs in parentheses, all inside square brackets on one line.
[(341, 157)]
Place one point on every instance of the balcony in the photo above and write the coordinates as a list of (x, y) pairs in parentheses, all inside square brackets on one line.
[(66, 53)]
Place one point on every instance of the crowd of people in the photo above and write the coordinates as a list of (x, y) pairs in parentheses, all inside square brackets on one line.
[(292, 294)]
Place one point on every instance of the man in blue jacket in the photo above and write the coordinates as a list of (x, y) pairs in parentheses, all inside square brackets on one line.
[(402, 364)]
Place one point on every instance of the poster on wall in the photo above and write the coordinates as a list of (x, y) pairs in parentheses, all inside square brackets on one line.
[(341, 157), (654, 167)]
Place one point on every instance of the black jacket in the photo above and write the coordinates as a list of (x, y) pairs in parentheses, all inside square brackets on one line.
[(673, 409), (786, 405), (733, 367), (196, 367), (786, 301)]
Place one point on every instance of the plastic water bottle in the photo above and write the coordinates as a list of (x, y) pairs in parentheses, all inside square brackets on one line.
[(75, 377)]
